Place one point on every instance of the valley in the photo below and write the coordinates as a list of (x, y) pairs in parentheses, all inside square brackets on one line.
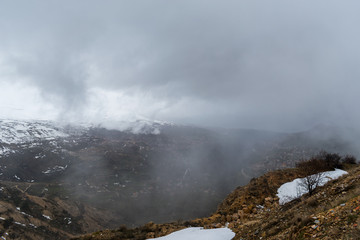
[(88, 178)]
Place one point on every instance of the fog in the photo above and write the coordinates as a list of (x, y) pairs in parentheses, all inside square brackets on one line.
[(279, 65)]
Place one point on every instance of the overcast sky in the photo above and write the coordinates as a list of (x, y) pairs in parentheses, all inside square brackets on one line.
[(279, 65)]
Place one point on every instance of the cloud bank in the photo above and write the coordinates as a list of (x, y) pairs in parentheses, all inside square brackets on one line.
[(279, 65)]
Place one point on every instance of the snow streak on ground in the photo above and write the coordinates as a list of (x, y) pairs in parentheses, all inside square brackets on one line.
[(200, 234), (4, 151), (292, 190)]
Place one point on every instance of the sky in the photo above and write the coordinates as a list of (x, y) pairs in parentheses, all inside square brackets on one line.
[(275, 65)]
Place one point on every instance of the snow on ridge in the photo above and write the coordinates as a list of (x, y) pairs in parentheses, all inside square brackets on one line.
[(24, 131), (16, 131), (139, 126), (198, 233), (292, 190)]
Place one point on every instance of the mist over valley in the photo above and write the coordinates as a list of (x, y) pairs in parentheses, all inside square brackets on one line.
[(147, 117), (151, 171)]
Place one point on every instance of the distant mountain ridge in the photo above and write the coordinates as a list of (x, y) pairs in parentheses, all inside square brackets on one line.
[(15, 132), (21, 131)]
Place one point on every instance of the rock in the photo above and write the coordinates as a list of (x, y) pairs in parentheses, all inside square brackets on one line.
[(231, 225), (150, 235), (150, 225)]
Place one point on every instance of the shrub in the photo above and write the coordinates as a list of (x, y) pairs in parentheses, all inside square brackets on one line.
[(313, 169), (332, 160), (349, 159), (321, 162)]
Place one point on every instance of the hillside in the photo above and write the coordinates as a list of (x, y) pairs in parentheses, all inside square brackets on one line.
[(146, 171), (329, 214), (253, 212)]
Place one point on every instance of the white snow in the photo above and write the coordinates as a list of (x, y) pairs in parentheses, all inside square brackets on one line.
[(47, 217), (15, 131), (198, 233), (55, 169), (5, 151), (21, 224), (138, 126), (68, 219), (292, 190), (21, 131), (32, 225)]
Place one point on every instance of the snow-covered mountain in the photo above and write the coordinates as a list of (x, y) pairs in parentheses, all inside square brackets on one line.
[(138, 126), (15, 131), (19, 136), (21, 131)]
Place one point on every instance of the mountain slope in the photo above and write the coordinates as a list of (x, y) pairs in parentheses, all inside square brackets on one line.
[(253, 212), (176, 172)]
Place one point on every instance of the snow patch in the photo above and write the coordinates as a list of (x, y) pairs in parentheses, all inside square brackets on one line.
[(5, 151), (47, 217), (198, 233), (292, 190), (68, 219), (55, 169), (32, 225), (21, 224)]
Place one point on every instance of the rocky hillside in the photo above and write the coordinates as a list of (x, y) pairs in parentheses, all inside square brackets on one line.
[(330, 213), (253, 212), (36, 211)]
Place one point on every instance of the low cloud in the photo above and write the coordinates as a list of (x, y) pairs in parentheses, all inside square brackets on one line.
[(279, 65)]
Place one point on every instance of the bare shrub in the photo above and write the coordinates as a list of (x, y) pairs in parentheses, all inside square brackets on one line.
[(349, 159), (313, 170), (311, 182)]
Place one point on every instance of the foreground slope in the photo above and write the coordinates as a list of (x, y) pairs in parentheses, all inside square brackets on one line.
[(253, 212), (330, 213)]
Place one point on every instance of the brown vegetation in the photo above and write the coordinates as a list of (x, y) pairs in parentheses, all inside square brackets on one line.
[(253, 212)]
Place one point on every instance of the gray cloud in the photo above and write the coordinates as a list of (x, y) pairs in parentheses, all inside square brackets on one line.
[(276, 65)]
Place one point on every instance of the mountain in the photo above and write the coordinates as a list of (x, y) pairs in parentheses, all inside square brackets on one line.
[(102, 176)]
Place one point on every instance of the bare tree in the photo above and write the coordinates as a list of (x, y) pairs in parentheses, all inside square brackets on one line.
[(313, 170), (311, 182)]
